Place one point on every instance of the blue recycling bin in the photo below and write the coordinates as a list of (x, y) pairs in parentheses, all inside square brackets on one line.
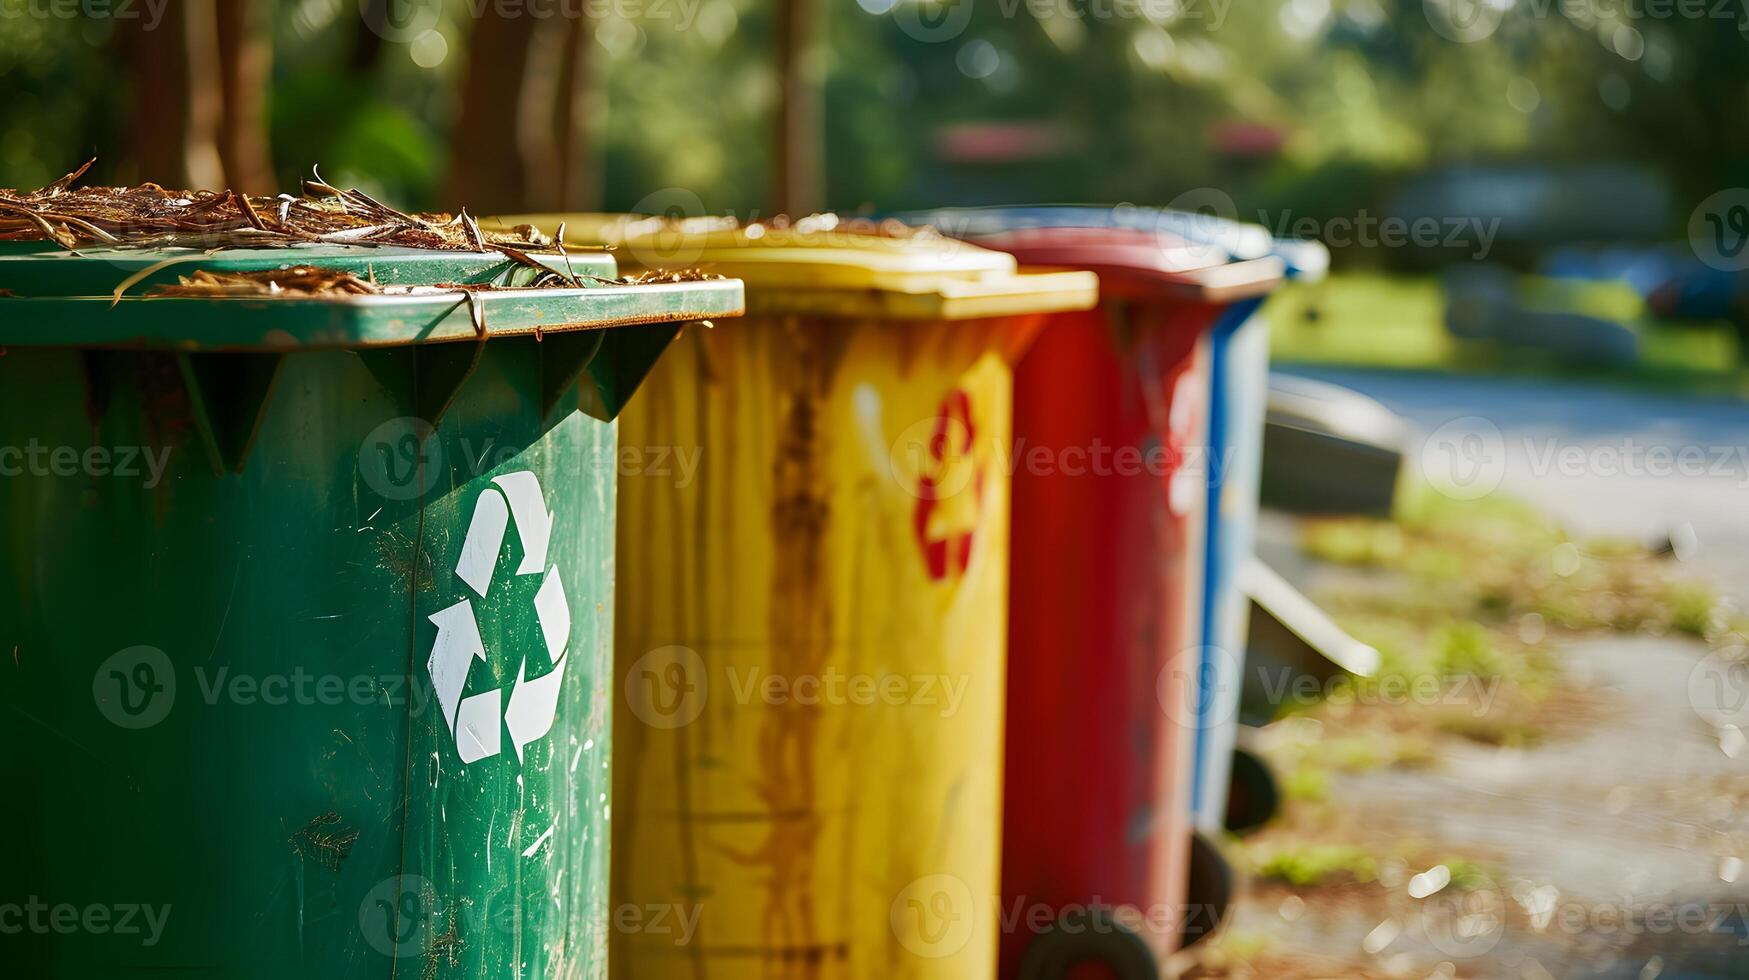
[(1238, 393)]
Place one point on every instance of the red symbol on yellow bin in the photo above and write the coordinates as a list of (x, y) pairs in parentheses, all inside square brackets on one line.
[(950, 487)]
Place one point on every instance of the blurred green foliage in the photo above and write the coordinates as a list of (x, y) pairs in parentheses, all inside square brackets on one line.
[(1121, 100), (59, 95), (1366, 318)]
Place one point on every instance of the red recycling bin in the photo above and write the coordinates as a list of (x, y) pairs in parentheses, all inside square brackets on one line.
[(1109, 500)]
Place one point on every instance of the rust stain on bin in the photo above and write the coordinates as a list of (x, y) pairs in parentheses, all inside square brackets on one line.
[(801, 631), (794, 553)]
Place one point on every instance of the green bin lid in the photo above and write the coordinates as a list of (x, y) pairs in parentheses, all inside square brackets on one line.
[(229, 346), (40, 268), (313, 322)]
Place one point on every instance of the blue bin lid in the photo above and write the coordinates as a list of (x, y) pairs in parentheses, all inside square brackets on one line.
[(1308, 260)]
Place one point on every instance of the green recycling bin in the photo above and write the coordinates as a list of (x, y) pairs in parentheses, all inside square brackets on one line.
[(306, 612)]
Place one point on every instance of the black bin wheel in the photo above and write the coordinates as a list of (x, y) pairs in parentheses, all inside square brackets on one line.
[(1210, 894), (1088, 936), (1253, 794)]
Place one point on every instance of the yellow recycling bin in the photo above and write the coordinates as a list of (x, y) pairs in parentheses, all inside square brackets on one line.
[(812, 606)]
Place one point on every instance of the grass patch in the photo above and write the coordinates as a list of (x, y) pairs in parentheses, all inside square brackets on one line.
[(1307, 784), (1367, 318), (1236, 946), (1311, 759), (1461, 599), (1466, 566), (1506, 729), (1307, 865), (1363, 318), (1465, 598), (1694, 608), (1467, 875), (1364, 753)]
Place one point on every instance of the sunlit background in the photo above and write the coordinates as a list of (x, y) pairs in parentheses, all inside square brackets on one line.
[(1537, 216), (1595, 122), (1323, 106)]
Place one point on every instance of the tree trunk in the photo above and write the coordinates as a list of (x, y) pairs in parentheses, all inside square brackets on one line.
[(486, 169), (200, 93), (796, 152), (519, 141), (245, 63), (367, 42), (575, 188), (177, 98)]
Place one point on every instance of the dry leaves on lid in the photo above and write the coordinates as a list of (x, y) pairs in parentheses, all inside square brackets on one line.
[(298, 280), (150, 216)]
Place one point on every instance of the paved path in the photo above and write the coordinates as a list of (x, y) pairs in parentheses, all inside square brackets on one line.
[(1632, 817), (1590, 454), (1619, 832)]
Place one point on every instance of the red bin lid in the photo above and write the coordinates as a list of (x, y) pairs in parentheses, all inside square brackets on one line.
[(1135, 263)]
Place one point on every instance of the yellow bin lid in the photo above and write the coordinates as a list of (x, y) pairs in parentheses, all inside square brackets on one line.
[(826, 266)]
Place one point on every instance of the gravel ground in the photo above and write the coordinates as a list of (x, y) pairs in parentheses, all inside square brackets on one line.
[(1620, 840)]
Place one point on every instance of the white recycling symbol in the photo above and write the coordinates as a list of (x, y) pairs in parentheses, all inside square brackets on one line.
[(534, 702)]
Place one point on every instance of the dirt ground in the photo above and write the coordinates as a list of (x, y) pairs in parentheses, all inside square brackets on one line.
[(1609, 841)]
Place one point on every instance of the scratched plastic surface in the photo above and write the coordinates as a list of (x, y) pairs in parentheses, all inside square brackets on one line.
[(277, 773), (845, 516), (1106, 569), (1237, 376), (814, 833)]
